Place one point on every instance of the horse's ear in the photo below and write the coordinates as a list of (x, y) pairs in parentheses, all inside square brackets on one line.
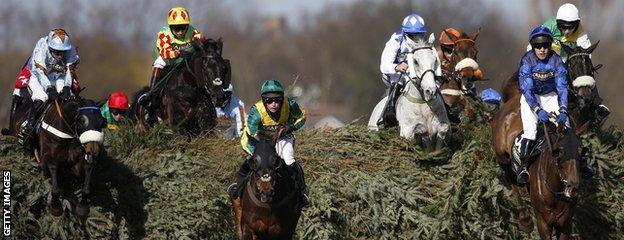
[(451, 35), (592, 47), (566, 48), (474, 35), (252, 140), (431, 38), (220, 46)]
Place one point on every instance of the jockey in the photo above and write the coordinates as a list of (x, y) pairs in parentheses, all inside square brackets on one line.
[(567, 29), (52, 65), (233, 109), (394, 63), (114, 109), (447, 46), (265, 117), (173, 44), (544, 87)]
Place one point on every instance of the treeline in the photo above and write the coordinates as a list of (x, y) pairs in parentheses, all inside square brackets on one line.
[(333, 54)]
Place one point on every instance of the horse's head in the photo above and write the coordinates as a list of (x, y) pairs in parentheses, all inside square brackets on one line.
[(213, 71), (581, 72), (567, 152), (88, 125), (264, 164), (464, 57), (422, 75)]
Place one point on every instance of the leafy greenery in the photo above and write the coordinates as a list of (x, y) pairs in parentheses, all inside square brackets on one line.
[(363, 185)]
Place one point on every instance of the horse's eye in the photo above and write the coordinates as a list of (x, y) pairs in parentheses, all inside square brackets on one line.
[(84, 120)]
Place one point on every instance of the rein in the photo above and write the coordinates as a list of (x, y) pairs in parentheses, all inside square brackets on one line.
[(254, 199), (414, 99), (53, 130)]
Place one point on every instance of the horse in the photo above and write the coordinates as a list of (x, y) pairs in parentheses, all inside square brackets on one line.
[(188, 92), (581, 74), (506, 126), (459, 72), (554, 183), (68, 144), (268, 207), (420, 109)]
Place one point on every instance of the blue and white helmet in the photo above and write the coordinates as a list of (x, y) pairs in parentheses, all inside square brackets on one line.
[(490, 95), (58, 39), (413, 24)]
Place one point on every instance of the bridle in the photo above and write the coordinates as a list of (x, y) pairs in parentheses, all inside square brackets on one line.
[(418, 79)]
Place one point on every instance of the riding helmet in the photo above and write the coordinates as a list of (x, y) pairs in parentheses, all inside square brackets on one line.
[(272, 88), (540, 34)]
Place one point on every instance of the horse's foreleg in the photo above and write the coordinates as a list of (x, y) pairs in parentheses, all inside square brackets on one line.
[(83, 206), (543, 228), (56, 209), (524, 216), (565, 230)]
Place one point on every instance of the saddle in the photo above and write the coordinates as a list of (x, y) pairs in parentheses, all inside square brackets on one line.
[(539, 145)]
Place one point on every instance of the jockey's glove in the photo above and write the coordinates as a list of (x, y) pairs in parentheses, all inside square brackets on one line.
[(65, 94), (542, 116), (563, 117), (52, 94), (288, 129), (185, 54)]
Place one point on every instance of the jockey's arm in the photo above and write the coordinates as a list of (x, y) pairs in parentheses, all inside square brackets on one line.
[(526, 85), (298, 114), (388, 56), (198, 36), (165, 49), (561, 81), (253, 121), (37, 63)]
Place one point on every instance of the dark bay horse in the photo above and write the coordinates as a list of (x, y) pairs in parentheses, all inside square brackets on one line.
[(188, 92), (459, 73), (554, 183), (68, 145), (268, 207)]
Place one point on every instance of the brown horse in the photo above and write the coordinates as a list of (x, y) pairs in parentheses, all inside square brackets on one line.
[(68, 145), (268, 207), (459, 79), (554, 183), (188, 92), (506, 126)]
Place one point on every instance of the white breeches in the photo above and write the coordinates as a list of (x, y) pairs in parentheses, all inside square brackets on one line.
[(159, 63), (285, 148), (549, 102)]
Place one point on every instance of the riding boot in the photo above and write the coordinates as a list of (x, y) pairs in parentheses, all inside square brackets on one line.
[(146, 100), (300, 184), (17, 101), (241, 178), (602, 111), (587, 171), (28, 126), (388, 117), (452, 116), (523, 174)]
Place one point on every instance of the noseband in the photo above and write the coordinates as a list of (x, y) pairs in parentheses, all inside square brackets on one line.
[(417, 81)]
